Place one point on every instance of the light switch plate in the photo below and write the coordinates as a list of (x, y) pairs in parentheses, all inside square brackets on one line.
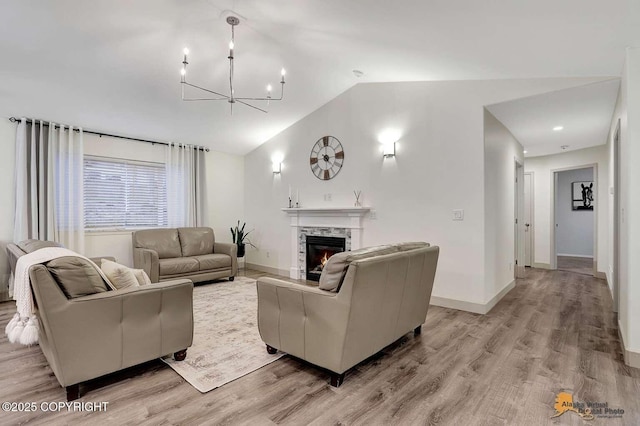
[(458, 214)]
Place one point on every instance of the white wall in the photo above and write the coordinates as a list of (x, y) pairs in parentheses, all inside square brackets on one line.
[(501, 150), (439, 166), (574, 234), (620, 113), (7, 199), (629, 312), (542, 168)]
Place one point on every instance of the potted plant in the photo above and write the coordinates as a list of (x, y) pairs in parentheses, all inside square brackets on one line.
[(240, 238)]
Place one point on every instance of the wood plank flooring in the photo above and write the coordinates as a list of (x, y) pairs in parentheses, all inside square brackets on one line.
[(555, 331), (579, 265)]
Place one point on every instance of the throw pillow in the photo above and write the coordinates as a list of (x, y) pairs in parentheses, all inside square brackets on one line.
[(336, 267), (120, 276), (76, 276), (141, 276)]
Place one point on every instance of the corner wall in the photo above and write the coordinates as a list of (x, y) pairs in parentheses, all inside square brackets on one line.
[(439, 167), (501, 150)]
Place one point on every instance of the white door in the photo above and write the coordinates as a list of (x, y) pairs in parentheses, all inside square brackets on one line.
[(528, 219)]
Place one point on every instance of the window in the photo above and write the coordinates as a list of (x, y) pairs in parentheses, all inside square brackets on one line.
[(122, 194)]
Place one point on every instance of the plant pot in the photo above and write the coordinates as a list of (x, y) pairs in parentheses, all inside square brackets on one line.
[(241, 250)]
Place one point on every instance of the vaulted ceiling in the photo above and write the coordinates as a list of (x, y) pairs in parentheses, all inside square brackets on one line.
[(114, 65)]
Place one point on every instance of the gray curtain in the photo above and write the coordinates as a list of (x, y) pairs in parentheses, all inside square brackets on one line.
[(49, 184)]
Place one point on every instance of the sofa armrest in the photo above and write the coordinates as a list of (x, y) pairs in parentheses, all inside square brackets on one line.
[(303, 321), (104, 332), (147, 260), (231, 250)]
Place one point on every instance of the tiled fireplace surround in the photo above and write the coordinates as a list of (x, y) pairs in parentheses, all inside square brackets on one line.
[(327, 222)]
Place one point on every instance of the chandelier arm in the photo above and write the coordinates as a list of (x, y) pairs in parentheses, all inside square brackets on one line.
[(266, 99), (224, 97), (204, 99), (252, 106)]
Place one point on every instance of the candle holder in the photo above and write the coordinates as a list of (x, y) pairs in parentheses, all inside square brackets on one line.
[(290, 203)]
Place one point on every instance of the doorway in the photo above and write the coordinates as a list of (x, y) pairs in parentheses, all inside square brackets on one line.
[(518, 230), (528, 219), (574, 218)]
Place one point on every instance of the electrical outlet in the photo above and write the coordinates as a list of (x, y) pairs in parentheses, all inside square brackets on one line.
[(268, 253), (458, 214), (327, 197)]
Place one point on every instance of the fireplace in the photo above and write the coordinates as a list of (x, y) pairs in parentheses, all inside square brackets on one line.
[(319, 250)]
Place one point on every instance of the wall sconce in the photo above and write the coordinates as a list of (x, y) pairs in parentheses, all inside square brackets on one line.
[(276, 163), (388, 139), (389, 150)]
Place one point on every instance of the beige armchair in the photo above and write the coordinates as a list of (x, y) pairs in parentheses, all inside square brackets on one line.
[(90, 336), (382, 297)]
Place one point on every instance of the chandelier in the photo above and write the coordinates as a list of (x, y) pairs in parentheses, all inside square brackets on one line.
[(231, 97)]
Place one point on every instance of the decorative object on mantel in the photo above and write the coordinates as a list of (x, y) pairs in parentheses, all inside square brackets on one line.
[(240, 238), (231, 97), (357, 193), (327, 157), (291, 203)]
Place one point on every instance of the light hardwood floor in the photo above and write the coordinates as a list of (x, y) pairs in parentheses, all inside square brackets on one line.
[(555, 331), (580, 265)]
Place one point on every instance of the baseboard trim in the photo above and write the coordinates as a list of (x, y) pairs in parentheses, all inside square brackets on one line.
[(602, 276), (576, 255), (267, 269), (631, 358), (476, 308), (542, 265)]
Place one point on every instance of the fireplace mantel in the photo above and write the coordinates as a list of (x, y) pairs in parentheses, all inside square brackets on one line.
[(327, 211), (350, 218)]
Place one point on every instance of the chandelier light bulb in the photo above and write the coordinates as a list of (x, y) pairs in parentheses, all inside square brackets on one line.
[(268, 88), (231, 45), (283, 72), (183, 72), (186, 50)]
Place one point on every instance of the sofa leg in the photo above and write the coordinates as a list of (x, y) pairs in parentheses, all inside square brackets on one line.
[(417, 331), (180, 355), (73, 392), (232, 278), (271, 350), (336, 379)]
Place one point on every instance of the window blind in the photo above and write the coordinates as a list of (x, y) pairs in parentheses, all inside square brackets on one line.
[(123, 194)]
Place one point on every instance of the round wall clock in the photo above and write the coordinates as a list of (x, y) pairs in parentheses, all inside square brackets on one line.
[(327, 157)]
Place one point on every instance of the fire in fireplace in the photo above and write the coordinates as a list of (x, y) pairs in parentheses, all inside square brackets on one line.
[(319, 250)]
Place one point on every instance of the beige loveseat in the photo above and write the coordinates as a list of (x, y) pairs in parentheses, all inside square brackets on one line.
[(192, 253), (367, 299), (88, 336)]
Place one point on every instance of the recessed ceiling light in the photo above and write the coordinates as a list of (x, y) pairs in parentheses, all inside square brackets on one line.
[(358, 73), (557, 128), (525, 151), (564, 147)]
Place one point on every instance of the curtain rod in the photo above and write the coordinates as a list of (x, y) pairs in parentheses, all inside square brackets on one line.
[(101, 134)]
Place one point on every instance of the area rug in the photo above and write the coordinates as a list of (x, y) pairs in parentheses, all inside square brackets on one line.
[(226, 342)]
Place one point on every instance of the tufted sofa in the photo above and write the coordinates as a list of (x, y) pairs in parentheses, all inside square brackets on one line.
[(366, 300), (193, 253)]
